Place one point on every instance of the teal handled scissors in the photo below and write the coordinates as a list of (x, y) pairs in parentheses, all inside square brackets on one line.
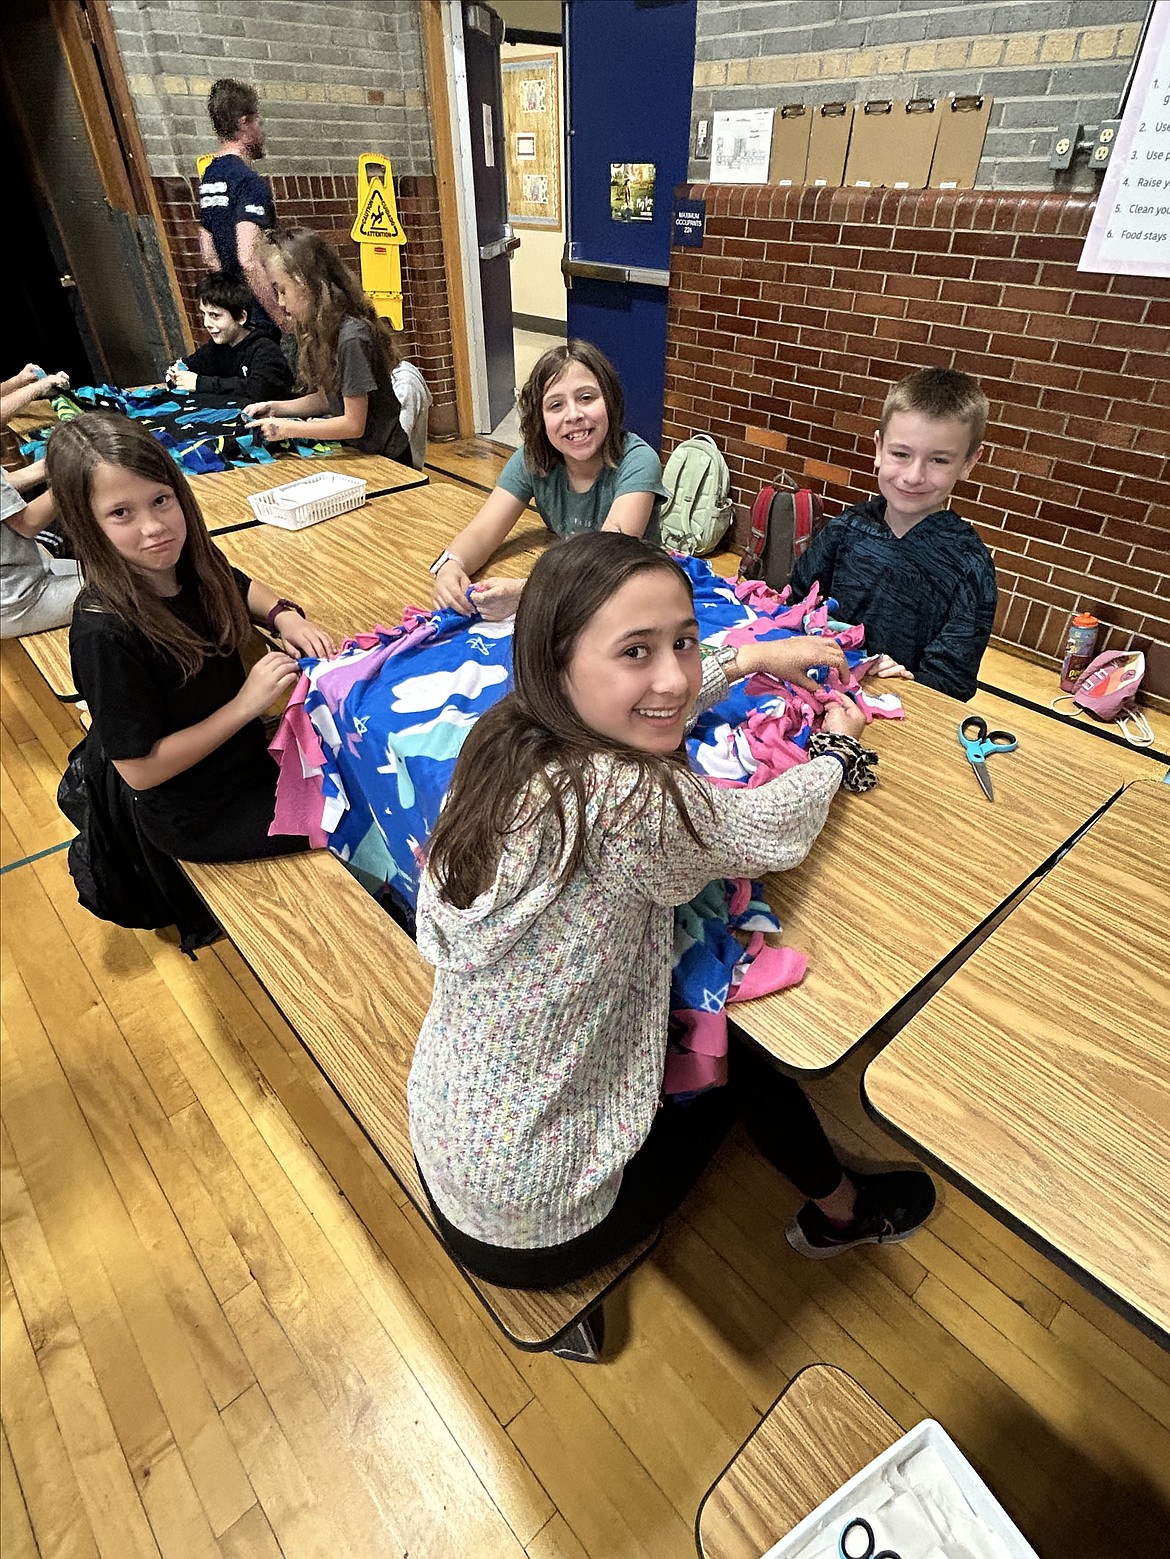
[(980, 743)]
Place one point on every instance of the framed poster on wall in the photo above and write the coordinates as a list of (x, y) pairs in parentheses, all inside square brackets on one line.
[(532, 135)]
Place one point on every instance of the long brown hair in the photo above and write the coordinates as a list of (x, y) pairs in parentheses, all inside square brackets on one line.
[(532, 752), (539, 455), (335, 291), (98, 438)]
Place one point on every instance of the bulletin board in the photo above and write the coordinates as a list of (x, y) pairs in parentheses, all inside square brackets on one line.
[(532, 135)]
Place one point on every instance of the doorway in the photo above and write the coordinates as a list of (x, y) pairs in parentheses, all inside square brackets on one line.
[(496, 320), (532, 66)]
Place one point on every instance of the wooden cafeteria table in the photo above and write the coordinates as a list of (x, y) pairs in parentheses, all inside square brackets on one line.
[(1039, 1076), (901, 877), (360, 569), (821, 1432), (904, 874), (223, 495)]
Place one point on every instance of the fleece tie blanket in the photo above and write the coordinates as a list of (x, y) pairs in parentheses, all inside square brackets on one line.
[(369, 741), (206, 436)]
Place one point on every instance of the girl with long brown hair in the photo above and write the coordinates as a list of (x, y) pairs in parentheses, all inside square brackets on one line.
[(579, 466), (572, 828), (155, 645), (346, 353)]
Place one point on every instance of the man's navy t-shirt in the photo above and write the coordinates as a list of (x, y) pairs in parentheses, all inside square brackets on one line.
[(231, 192)]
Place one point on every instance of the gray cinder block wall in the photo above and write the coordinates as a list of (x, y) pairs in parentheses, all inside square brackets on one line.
[(1045, 62), (334, 80)]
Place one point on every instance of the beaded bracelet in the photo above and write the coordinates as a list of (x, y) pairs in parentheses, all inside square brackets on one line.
[(859, 760)]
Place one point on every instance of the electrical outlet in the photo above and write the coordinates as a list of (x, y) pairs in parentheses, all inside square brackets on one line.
[(1064, 146), (1104, 144)]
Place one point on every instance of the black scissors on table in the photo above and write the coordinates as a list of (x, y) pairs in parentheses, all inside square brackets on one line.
[(856, 1532), (980, 743)]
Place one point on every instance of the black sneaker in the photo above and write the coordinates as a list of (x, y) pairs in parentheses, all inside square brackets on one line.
[(890, 1207)]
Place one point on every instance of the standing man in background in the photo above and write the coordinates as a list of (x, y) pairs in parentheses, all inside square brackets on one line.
[(235, 203)]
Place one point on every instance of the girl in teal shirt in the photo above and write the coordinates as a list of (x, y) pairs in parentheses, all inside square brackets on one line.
[(581, 468)]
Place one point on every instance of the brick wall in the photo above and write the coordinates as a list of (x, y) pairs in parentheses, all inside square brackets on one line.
[(327, 203), (803, 305), (1047, 63)]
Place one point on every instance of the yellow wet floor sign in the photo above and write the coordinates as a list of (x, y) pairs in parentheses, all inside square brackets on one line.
[(379, 236)]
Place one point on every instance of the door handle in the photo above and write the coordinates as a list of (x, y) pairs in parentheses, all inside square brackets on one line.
[(597, 270), (501, 246)]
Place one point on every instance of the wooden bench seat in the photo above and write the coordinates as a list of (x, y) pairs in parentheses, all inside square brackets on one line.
[(822, 1430), (49, 653), (355, 989)]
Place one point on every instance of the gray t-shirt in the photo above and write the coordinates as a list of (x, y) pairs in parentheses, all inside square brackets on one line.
[(357, 375), (24, 573), (566, 512)]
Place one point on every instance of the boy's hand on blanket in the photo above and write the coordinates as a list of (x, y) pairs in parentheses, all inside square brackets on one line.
[(300, 636), (888, 667), (791, 659), (495, 599), (272, 675), (181, 379)]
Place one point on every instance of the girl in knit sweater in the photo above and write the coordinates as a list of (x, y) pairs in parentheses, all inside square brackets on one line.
[(572, 829)]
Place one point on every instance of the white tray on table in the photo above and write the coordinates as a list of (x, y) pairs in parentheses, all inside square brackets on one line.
[(320, 496), (851, 1500)]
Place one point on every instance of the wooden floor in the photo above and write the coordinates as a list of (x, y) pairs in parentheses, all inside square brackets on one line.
[(225, 1334)]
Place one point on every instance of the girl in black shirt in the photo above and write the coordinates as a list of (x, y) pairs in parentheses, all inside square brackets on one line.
[(155, 646)]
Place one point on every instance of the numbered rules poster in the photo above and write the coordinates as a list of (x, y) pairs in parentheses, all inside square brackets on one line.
[(1130, 233)]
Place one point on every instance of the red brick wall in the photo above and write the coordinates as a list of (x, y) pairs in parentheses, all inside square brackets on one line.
[(327, 204), (803, 305)]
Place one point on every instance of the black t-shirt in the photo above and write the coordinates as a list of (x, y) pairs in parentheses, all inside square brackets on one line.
[(136, 696)]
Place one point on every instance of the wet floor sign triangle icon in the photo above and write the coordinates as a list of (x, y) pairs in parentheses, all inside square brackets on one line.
[(377, 222)]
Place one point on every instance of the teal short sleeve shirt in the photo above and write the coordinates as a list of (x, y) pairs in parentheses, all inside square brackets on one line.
[(566, 512)]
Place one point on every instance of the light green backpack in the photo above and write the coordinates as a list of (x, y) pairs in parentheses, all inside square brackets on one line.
[(698, 513)]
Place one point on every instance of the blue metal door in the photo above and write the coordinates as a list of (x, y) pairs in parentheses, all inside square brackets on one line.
[(630, 65)]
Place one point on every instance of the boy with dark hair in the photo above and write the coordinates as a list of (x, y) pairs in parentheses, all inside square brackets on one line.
[(238, 362), (904, 563), (235, 203)]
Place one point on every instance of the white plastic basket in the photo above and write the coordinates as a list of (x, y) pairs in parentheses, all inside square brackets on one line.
[(308, 499), (817, 1534)]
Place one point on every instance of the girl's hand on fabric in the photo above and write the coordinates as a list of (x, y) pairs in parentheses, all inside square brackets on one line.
[(57, 381), (791, 659), (258, 409), (888, 667), (495, 599), (272, 675), (450, 589), (300, 636), (845, 718), (273, 429), (181, 379), (29, 374)]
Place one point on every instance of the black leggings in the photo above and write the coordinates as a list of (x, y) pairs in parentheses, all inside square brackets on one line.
[(237, 832), (682, 1141)]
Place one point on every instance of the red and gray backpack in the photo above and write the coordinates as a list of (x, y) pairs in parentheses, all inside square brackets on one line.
[(785, 518)]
